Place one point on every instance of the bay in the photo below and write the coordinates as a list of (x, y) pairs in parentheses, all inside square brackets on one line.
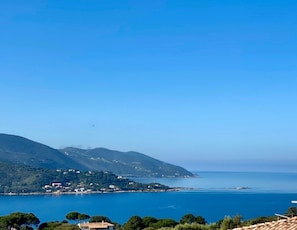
[(212, 195)]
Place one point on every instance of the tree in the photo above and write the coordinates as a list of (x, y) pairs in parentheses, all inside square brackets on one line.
[(148, 221), (19, 220), (134, 223), (237, 220), (188, 218), (3, 222), (82, 216), (165, 223), (227, 223), (99, 219), (49, 225), (292, 211), (73, 216), (200, 220), (76, 216), (260, 219), (55, 225), (31, 220)]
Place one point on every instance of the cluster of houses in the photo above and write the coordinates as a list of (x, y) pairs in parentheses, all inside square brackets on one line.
[(58, 187)]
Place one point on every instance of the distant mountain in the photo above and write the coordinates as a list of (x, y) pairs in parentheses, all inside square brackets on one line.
[(16, 149), (124, 163)]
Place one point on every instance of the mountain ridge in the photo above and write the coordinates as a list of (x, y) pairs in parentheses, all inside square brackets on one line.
[(125, 163), (21, 150), (17, 149)]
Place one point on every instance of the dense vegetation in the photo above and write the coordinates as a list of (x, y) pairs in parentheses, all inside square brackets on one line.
[(124, 163), (20, 221), (16, 178)]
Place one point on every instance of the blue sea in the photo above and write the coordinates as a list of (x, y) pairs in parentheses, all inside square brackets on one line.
[(212, 195)]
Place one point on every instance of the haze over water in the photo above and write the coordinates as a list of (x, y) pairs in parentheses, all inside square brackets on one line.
[(255, 182)]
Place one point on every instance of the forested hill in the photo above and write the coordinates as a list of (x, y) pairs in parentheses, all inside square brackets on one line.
[(124, 163), (23, 179), (16, 149)]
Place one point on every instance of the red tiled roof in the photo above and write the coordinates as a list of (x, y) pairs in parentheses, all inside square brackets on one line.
[(99, 225), (284, 224)]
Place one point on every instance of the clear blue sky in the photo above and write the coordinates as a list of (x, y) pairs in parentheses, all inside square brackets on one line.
[(208, 85)]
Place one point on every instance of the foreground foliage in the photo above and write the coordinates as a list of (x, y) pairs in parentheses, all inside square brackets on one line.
[(20, 221)]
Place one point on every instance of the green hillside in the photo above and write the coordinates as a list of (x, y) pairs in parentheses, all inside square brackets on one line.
[(124, 163), (19, 150), (16, 178)]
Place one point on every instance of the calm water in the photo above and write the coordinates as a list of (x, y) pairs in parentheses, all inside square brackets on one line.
[(213, 196), (224, 181)]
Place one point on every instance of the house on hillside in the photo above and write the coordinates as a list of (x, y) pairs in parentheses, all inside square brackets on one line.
[(283, 224), (96, 226), (56, 184)]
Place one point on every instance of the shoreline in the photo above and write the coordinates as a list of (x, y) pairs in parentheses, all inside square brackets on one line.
[(92, 192), (176, 189)]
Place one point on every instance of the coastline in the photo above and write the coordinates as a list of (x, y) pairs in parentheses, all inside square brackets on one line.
[(92, 192), (175, 189), (217, 190)]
